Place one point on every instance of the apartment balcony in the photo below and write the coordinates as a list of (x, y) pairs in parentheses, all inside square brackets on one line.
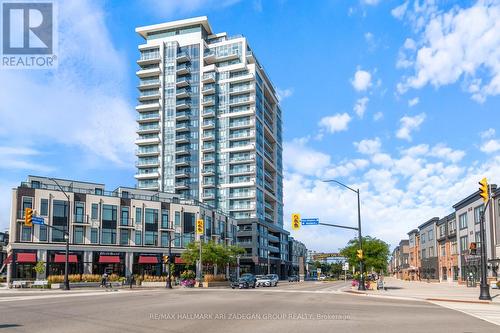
[(146, 129), (149, 83), (208, 147), (182, 69), (268, 175), (149, 58), (209, 195), (242, 195), (208, 101), (242, 171), (227, 56), (183, 150), (273, 249), (242, 89), (208, 124), (209, 57), (241, 78), (147, 163), (182, 115), (208, 137), (242, 124), (242, 135), (208, 184), (147, 152), (148, 72), (273, 238), (208, 171), (241, 146), (183, 56), (149, 175), (182, 161), (149, 95), (151, 187), (182, 127), (241, 207), (208, 89), (182, 93), (148, 118), (182, 81), (182, 185), (126, 223), (242, 159), (208, 159), (183, 173), (208, 112), (268, 206), (146, 107), (80, 219), (183, 138), (147, 141), (182, 104), (241, 101), (208, 77)]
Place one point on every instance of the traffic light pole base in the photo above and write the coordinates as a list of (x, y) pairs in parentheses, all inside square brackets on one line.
[(484, 292)]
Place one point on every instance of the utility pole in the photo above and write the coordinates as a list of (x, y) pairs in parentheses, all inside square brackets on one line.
[(484, 291)]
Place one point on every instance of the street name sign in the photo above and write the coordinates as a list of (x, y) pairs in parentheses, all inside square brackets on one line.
[(38, 220), (313, 221)]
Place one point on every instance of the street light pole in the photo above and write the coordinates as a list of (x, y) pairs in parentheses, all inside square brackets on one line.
[(66, 238), (361, 285), (484, 289), (169, 283)]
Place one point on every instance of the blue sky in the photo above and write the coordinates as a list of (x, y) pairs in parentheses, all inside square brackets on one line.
[(398, 98)]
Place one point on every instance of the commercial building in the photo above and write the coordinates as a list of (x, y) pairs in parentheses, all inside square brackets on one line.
[(124, 231), (298, 257), (210, 129)]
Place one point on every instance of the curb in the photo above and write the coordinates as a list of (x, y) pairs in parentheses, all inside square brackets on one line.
[(457, 300)]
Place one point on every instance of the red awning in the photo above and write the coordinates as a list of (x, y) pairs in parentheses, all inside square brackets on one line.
[(26, 257), (62, 258), (148, 260), (109, 259), (8, 260), (178, 260)]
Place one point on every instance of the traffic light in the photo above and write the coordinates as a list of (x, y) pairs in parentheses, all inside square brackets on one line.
[(483, 190), (295, 221), (28, 217), (473, 248), (359, 254), (200, 227), (165, 259)]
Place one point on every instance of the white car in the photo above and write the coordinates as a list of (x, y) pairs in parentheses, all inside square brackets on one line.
[(262, 281), (321, 278), (273, 279)]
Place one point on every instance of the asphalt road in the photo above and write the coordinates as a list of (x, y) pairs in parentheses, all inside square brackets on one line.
[(287, 308)]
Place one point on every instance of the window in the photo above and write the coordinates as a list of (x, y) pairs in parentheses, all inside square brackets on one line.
[(124, 216), (80, 212), (422, 256), (177, 239), (177, 220), (78, 235), (430, 234), (138, 237), (151, 238), (124, 237), (443, 251), (454, 248), (42, 237), (478, 211), (98, 191), (44, 207), (109, 221), (25, 234), (464, 244), (109, 236), (60, 219), (452, 227), (431, 251), (441, 230), (462, 219), (478, 239), (164, 239), (164, 218), (138, 215), (95, 212), (27, 203), (422, 238), (94, 235)]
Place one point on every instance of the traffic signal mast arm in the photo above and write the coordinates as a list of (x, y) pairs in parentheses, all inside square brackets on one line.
[(338, 226)]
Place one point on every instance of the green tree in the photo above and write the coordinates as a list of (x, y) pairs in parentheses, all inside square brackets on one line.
[(40, 267), (375, 253), (211, 254)]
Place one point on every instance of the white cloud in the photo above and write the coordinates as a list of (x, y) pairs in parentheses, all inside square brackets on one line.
[(491, 146), (370, 2), (414, 101), (458, 45), (80, 104), (400, 10), (377, 116), (362, 80), (360, 106), (284, 93), (302, 159), (346, 168), (368, 146), (490, 132), (444, 152), (336, 123), (408, 125)]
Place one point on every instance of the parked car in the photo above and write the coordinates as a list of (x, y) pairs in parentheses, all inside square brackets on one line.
[(246, 281), (321, 278), (262, 281), (293, 278), (273, 279)]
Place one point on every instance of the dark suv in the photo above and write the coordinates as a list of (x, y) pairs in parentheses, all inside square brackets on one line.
[(247, 280)]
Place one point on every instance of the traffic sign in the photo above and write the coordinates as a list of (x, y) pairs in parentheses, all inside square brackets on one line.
[(37, 220), (345, 266), (313, 221), (200, 227), (296, 221)]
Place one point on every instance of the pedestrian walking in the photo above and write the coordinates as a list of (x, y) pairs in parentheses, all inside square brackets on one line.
[(104, 279), (132, 280)]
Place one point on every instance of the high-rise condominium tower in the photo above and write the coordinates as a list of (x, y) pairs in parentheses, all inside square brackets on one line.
[(210, 129)]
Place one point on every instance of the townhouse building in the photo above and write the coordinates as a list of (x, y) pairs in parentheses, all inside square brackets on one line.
[(125, 231), (429, 269), (210, 129), (447, 249), (414, 255), (298, 257)]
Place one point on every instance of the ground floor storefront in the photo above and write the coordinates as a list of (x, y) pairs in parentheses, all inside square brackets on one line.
[(262, 267)]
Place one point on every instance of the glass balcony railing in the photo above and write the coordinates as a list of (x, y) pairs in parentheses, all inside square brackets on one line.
[(149, 55), (146, 82), (148, 127), (146, 116), (208, 76)]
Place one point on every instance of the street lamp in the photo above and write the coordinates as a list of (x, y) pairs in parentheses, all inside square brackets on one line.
[(361, 285), (66, 238)]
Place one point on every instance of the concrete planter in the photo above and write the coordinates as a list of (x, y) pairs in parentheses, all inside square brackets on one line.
[(82, 285), (153, 284), (215, 284)]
